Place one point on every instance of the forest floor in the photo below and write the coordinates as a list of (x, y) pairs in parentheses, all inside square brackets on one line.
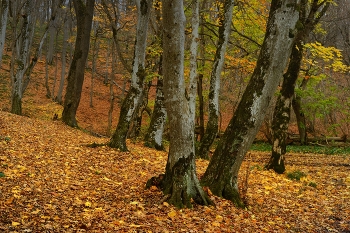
[(50, 181)]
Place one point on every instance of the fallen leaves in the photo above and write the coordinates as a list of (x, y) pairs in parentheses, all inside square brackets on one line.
[(51, 182)]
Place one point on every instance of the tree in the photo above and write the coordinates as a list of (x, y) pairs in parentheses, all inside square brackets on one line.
[(66, 31), (154, 135), (225, 20), (4, 9), (133, 98), (180, 181), (221, 175), (84, 14), (21, 52), (307, 22)]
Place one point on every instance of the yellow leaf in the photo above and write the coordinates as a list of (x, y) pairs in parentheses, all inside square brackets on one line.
[(88, 204), (14, 224), (166, 204), (219, 218), (215, 224), (36, 211), (133, 225), (172, 214)]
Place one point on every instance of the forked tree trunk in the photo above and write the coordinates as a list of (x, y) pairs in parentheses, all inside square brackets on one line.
[(281, 116), (84, 14), (213, 121), (134, 96), (221, 175), (180, 181), (136, 123), (154, 136)]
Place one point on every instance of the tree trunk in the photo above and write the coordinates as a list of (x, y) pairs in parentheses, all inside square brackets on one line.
[(282, 110), (96, 47), (201, 106), (281, 115), (221, 175), (48, 92), (134, 96), (21, 58), (299, 114), (213, 121), (66, 27), (51, 45), (192, 93), (84, 14), (180, 182), (3, 23), (154, 136), (135, 127)]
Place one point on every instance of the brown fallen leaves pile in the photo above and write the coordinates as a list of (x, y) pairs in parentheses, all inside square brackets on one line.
[(50, 181)]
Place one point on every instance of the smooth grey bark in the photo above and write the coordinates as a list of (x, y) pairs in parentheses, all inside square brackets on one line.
[(221, 175), (84, 14), (51, 42), (193, 60), (134, 97), (180, 181), (310, 15), (95, 47), (20, 56), (214, 90), (66, 30), (3, 23), (154, 135), (135, 127)]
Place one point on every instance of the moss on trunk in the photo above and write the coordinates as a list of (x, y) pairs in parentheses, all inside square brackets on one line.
[(181, 185), (16, 104), (118, 139)]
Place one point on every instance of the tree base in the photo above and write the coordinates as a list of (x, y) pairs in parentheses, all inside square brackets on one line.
[(181, 184)]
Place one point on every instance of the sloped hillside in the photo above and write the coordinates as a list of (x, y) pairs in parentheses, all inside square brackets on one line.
[(51, 181)]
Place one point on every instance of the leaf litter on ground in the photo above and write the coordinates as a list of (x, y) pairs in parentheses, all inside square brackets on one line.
[(52, 182)]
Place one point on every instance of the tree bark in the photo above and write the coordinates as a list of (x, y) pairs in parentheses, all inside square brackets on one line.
[(221, 175), (135, 128), (281, 114), (192, 90), (201, 106), (134, 96), (3, 23), (299, 114), (213, 121), (20, 60), (84, 14), (154, 136), (66, 31), (282, 111), (180, 182)]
